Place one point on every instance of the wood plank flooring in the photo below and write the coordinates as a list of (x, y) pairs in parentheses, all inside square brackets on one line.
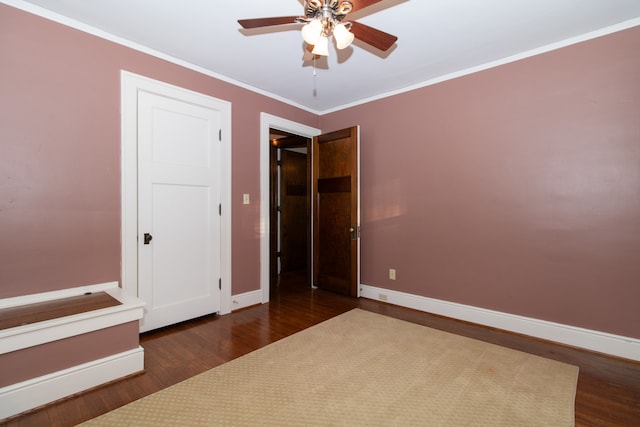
[(38, 312), (608, 388)]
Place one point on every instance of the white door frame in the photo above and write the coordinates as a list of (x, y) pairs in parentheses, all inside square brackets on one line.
[(267, 121), (130, 85)]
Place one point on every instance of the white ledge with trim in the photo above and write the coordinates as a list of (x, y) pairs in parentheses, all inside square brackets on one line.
[(29, 394)]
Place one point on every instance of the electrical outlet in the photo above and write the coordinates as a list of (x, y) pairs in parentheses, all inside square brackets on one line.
[(245, 199), (382, 297), (392, 273)]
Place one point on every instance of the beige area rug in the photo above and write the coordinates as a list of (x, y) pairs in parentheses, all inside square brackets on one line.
[(365, 369)]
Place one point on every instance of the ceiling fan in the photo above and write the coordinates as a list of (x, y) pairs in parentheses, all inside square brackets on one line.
[(325, 18)]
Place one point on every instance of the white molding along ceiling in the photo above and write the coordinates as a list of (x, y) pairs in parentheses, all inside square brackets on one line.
[(437, 40)]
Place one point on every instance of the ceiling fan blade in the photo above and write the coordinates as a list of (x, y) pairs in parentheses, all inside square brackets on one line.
[(372, 36), (361, 4), (266, 22)]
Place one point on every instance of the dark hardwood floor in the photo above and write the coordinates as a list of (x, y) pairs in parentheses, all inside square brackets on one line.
[(608, 388)]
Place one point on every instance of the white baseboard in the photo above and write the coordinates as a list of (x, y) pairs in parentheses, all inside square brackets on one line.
[(35, 392), (246, 299), (616, 345)]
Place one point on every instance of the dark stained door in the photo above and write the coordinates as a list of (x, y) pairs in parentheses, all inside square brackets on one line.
[(336, 211), (294, 220)]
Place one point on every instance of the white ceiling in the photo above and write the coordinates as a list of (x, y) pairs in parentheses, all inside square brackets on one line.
[(436, 39)]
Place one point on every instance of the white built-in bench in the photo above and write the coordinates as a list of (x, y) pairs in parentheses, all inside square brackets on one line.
[(84, 319)]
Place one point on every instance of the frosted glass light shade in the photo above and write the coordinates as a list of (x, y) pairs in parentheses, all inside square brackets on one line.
[(343, 36), (312, 31), (321, 47)]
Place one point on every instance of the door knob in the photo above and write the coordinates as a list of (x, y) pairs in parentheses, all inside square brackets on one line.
[(147, 238)]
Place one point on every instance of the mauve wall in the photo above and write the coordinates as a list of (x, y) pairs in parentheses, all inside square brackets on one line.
[(515, 189), (60, 155)]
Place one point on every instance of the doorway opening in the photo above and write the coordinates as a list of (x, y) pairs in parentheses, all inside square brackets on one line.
[(134, 110), (290, 211), (267, 123)]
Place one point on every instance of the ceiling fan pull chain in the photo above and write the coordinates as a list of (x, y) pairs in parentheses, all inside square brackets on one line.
[(315, 78)]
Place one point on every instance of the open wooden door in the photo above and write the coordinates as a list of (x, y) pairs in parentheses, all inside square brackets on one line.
[(336, 214)]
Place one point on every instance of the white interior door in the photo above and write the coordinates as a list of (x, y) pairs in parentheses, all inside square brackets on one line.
[(179, 224)]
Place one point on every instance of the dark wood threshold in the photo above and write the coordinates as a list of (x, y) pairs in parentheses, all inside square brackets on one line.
[(12, 317)]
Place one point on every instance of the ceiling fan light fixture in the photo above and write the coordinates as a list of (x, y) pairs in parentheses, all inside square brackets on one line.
[(321, 47), (312, 31), (323, 19), (343, 36)]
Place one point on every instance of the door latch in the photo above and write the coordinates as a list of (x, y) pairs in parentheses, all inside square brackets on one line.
[(147, 238), (354, 232)]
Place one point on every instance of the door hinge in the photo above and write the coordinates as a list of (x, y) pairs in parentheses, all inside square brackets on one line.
[(220, 283), (220, 209), (220, 135)]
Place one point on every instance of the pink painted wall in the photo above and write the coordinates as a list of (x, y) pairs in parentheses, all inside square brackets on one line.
[(515, 189), (60, 155)]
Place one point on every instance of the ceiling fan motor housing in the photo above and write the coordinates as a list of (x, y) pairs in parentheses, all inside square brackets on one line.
[(328, 10)]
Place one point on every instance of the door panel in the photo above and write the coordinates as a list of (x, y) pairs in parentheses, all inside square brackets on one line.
[(180, 245), (294, 217), (178, 196), (336, 211)]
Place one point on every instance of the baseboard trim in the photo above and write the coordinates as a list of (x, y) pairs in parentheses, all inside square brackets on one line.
[(246, 299), (615, 345), (21, 397)]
